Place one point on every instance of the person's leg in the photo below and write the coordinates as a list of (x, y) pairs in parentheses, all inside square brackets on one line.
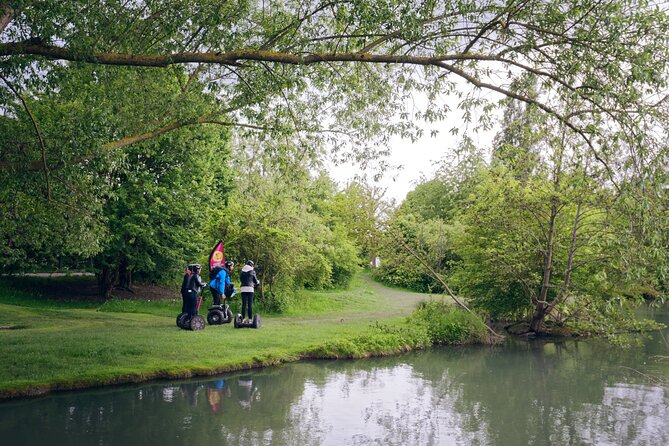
[(192, 303), (217, 296), (244, 299), (184, 302), (250, 303)]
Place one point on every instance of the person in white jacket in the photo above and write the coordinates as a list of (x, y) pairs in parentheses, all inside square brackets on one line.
[(248, 281)]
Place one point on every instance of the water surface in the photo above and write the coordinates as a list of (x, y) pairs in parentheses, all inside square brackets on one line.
[(567, 392)]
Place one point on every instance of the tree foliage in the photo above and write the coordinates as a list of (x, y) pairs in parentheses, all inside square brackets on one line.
[(324, 69), (84, 85), (282, 226), (540, 233), (159, 205)]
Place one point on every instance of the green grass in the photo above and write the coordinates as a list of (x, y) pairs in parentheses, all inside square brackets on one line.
[(162, 307), (31, 292), (358, 297), (57, 345)]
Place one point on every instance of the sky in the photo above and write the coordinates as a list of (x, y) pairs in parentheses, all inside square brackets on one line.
[(415, 159)]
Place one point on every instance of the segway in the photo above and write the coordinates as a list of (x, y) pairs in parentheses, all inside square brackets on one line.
[(254, 323), (194, 323), (219, 314)]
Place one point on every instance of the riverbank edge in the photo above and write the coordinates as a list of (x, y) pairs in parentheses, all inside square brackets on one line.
[(325, 351), (386, 335)]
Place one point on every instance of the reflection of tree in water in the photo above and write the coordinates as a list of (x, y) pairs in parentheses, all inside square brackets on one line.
[(157, 414), (377, 401), (527, 393), (538, 391)]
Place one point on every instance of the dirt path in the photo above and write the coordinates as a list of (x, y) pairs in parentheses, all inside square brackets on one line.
[(395, 300), (388, 303)]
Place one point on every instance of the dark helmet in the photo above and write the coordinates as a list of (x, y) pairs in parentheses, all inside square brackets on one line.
[(229, 264), (194, 267), (250, 263)]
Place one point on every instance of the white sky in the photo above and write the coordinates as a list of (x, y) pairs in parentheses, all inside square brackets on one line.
[(418, 159)]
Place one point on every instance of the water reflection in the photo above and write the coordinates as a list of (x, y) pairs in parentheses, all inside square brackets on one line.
[(523, 393)]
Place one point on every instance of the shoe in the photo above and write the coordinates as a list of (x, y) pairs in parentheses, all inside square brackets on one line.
[(246, 321)]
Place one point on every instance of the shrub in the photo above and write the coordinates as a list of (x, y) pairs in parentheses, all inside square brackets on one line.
[(447, 324)]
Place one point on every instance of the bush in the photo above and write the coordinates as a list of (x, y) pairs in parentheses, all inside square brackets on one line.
[(380, 340), (447, 324)]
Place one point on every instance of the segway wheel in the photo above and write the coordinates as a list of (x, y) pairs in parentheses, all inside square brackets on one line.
[(215, 317), (197, 323), (181, 319), (256, 321), (227, 316), (238, 321)]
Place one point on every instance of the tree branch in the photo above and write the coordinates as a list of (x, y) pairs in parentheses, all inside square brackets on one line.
[(134, 139), (7, 15), (44, 165)]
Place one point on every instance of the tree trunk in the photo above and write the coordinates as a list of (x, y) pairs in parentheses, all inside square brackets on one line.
[(570, 259), (124, 275), (542, 303), (106, 279)]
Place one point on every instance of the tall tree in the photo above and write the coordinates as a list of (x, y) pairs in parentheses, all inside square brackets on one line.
[(361, 210), (315, 75), (311, 66), (160, 200)]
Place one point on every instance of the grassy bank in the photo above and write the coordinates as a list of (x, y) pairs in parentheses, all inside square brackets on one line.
[(63, 344)]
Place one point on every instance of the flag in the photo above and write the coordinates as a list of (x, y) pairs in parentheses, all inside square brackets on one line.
[(217, 256)]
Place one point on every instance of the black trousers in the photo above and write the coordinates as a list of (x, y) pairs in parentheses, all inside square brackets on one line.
[(216, 295), (247, 300), (191, 303), (184, 301)]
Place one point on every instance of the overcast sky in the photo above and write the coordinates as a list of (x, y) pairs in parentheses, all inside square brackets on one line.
[(417, 159)]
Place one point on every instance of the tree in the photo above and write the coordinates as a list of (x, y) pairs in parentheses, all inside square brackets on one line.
[(97, 201), (158, 206), (310, 66), (428, 221), (280, 223), (360, 210)]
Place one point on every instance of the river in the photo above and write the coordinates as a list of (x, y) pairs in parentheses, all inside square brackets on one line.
[(524, 392)]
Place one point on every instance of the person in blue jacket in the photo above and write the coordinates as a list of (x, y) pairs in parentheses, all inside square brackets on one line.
[(221, 282)]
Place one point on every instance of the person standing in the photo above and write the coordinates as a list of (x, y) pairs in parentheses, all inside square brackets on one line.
[(248, 281), (229, 288), (195, 284), (220, 283), (184, 290)]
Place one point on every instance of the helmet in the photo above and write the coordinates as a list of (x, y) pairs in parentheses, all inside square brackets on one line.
[(229, 264), (250, 263), (194, 267)]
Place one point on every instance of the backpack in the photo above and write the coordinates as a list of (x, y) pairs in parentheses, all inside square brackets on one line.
[(214, 272)]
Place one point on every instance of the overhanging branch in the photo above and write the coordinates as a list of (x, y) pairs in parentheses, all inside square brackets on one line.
[(43, 166), (6, 15)]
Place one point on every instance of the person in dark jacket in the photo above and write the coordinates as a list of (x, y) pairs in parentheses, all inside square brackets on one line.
[(248, 282), (184, 289), (195, 285)]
